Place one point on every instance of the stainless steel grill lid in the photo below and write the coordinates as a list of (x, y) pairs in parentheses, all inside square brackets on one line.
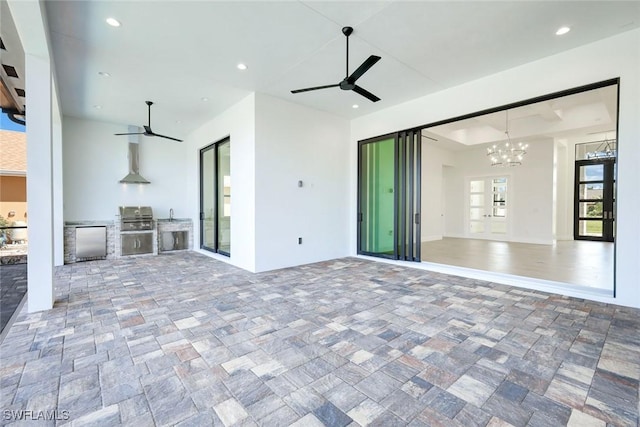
[(135, 213)]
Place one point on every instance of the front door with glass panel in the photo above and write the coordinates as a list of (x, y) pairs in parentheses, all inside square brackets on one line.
[(488, 208), (594, 209)]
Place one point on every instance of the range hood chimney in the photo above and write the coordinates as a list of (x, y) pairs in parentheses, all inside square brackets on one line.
[(134, 176)]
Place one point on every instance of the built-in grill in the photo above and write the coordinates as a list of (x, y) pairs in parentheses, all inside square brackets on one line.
[(136, 218), (136, 230)]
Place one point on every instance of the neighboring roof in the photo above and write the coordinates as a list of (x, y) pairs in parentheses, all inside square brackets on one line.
[(13, 151)]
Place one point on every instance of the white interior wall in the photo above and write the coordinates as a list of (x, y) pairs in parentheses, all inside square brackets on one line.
[(561, 208), (296, 143), (95, 161), (432, 197), (605, 59), (529, 193), (238, 122)]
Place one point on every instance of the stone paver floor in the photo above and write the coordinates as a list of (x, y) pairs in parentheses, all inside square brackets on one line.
[(187, 340)]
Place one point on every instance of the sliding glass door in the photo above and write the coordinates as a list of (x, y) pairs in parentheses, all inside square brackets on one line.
[(389, 196), (215, 198), (223, 192), (377, 198)]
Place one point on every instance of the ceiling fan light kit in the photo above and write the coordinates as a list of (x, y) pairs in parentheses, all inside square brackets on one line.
[(349, 81), (147, 128)]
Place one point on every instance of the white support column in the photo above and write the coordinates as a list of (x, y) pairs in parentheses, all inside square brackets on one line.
[(39, 183), (58, 214)]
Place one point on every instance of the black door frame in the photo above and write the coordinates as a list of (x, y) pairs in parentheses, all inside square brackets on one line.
[(407, 195), (215, 147)]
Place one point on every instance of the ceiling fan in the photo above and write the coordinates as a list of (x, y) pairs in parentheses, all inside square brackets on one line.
[(349, 82), (147, 128)]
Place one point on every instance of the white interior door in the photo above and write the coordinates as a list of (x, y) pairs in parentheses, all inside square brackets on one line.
[(488, 207)]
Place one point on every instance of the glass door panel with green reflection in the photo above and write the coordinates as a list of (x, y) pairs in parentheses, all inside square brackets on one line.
[(215, 198), (389, 171), (377, 198), (594, 200)]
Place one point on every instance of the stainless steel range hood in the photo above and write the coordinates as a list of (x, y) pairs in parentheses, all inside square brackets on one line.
[(134, 176)]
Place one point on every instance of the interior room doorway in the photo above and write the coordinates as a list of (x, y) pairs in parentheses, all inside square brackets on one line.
[(488, 207)]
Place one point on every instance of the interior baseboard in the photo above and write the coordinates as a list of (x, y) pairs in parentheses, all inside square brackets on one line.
[(431, 238), (564, 237), (512, 239), (532, 241)]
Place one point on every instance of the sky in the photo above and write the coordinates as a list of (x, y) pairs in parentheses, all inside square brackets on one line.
[(7, 124)]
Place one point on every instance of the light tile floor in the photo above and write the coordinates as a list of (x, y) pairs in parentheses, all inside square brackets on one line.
[(183, 339)]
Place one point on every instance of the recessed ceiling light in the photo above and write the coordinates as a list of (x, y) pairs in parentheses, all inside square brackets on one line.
[(241, 66), (204, 99), (562, 30), (113, 22), (97, 107), (178, 121), (355, 106), (104, 74)]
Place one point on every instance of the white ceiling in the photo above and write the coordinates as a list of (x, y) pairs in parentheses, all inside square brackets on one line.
[(591, 115), (177, 52)]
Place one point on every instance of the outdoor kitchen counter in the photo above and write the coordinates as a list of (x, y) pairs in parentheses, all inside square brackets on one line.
[(175, 234), (70, 237), (105, 223)]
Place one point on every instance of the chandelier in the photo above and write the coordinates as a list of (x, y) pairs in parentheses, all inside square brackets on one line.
[(606, 150), (508, 153)]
